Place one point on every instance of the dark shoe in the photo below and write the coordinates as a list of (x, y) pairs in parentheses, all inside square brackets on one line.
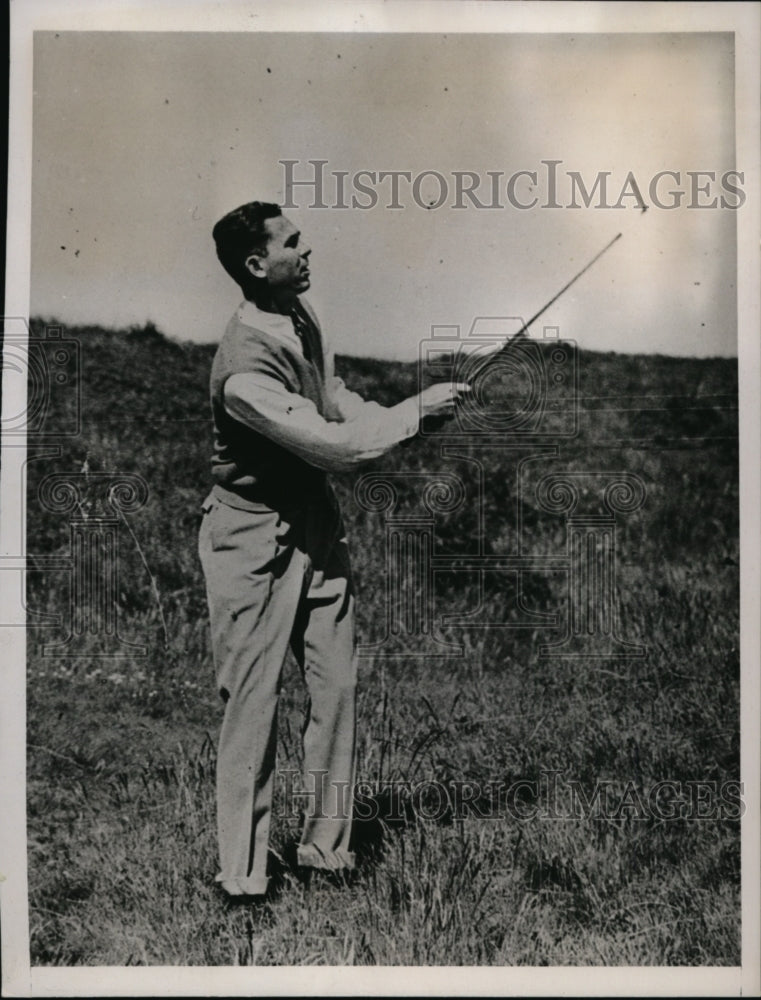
[(244, 899)]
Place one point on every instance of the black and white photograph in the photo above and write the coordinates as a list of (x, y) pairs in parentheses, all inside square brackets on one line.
[(380, 508)]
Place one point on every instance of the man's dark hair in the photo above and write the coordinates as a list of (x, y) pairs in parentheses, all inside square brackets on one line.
[(237, 235)]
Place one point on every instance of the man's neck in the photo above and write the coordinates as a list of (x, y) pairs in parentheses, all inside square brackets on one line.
[(284, 305)]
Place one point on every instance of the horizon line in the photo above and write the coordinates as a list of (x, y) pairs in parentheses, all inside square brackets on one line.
[(149, 325)]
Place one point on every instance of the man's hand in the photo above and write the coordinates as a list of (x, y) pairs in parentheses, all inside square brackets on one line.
[(439, 400)]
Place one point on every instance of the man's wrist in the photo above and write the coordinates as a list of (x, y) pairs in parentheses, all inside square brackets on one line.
[(408, 415)]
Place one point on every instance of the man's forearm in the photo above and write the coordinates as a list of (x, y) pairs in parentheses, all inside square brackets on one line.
[(292, 421)]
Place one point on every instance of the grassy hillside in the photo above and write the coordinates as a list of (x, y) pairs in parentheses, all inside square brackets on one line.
[(122, 849)]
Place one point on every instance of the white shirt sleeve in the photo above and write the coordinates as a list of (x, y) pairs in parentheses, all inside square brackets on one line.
[(368, 430), (350, 404)]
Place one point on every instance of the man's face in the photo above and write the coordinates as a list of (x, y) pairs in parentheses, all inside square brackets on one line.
[(285, 267)]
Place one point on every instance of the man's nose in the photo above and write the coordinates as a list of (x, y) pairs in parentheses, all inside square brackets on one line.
[(306, 251)]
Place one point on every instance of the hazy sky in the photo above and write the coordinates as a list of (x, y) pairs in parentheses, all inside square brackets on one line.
[(143, 140)]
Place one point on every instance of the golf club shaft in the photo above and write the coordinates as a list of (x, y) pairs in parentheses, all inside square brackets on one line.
[(565, 287), (557, 295)]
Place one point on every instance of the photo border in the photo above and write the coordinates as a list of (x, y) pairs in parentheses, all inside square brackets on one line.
[(19, 979)]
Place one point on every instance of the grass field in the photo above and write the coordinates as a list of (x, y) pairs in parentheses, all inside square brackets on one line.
[(121, 827)]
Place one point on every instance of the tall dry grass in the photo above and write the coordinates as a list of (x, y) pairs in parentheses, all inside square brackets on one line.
[(122, 848)]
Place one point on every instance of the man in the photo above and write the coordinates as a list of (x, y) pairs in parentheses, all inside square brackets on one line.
[(272, 543)]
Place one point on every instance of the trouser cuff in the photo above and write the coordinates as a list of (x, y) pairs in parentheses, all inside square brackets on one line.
[(310, 856)]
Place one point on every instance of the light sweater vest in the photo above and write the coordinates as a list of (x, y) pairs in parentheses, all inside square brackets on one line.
[(251, 471)]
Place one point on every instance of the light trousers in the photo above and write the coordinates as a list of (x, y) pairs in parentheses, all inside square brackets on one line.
[(276, 579)]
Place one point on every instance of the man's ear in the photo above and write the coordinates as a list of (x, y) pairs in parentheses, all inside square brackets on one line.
[(256, 263)]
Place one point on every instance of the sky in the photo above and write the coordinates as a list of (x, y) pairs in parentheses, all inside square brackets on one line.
[(142, 140)]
